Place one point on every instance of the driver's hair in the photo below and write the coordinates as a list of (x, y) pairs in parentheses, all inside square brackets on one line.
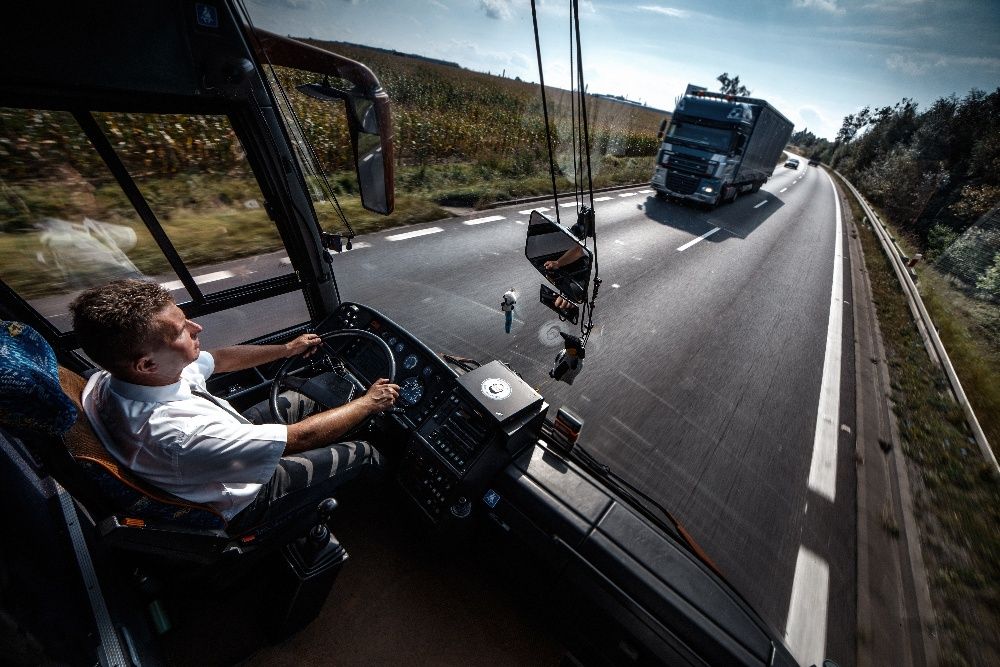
[(115, 323)]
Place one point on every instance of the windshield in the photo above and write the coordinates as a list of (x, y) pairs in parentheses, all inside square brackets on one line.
[(709, 382), (711, 138)]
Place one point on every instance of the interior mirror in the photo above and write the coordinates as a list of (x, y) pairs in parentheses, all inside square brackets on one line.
[(364, 118), (559, 257)]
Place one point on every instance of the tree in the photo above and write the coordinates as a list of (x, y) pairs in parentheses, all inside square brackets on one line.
[(731, 86)]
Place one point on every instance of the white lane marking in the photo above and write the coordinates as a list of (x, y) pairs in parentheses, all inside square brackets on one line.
[(411, 235), (806, 628), (597, 199), (628, 194), (620, 242), (703, 236), (793, 183), (572, 203), (782, 189), (644, 192), (200, 280), (761, 204), (615, 285), (540, 209), (519, 222), (479, 221), (823, 469)]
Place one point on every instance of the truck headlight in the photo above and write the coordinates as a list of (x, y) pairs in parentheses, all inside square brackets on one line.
[(707, 189)]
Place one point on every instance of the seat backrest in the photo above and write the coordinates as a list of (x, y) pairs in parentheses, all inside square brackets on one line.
[(123, 492)]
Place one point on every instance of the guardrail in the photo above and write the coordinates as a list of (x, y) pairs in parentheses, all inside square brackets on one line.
[(935, 348)]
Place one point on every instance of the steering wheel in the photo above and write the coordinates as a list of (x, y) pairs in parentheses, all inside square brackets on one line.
[(313, 388)]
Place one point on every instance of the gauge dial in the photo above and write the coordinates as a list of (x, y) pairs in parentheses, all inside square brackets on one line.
[(411, 390), (427, 371), (410, 362), (399, 348)]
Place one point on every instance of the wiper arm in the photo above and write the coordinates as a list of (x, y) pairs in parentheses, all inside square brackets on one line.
[(626, 490)]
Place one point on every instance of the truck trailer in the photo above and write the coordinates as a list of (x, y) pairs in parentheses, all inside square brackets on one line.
[(717, 146)]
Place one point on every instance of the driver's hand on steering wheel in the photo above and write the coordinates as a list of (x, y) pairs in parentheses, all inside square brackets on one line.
[(306, 345), (381, 395)]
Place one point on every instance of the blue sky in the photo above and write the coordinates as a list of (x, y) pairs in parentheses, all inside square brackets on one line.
[(815, 60)]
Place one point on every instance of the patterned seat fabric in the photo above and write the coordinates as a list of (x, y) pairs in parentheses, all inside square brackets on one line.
[(31, 400)]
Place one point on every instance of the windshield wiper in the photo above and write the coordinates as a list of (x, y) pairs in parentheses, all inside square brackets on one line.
[(642, 502)]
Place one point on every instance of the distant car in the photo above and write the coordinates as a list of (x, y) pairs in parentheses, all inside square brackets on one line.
[(792, 163), (814, 162)]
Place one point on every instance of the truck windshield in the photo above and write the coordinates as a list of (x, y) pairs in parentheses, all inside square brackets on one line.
[(707, 137)]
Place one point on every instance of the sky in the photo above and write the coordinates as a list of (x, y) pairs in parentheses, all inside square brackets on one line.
[(815, 60)]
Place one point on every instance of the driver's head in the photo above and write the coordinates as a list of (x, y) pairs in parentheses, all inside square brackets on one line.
[(134, 329)]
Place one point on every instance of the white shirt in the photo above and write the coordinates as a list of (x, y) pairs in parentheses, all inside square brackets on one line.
[(184, 443)]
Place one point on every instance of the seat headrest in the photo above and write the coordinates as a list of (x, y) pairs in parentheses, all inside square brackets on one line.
[(31, 399)]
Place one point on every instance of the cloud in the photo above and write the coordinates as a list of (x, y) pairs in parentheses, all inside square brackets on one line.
[(496, 9), (825, 5), (439, 5), (666, 11), (918, 64)]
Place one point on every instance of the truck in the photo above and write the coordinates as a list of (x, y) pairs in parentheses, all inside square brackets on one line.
[(718, 146), (493, 539)]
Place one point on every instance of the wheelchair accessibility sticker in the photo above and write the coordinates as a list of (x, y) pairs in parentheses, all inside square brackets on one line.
[(495, 388)]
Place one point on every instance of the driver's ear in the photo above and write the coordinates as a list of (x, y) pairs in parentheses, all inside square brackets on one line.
[(143, 365)]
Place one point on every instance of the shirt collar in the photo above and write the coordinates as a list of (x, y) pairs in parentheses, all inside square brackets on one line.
[(178, 391)]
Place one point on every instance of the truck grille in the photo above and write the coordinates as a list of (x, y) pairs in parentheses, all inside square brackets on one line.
[(681, 183), (690, 164)]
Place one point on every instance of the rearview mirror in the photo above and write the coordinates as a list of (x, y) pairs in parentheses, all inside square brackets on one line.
[(559, 257), (364, 118)]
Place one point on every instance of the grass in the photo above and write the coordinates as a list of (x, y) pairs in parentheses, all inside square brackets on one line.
[(957, 495)]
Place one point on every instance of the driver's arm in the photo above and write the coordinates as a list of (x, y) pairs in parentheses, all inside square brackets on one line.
[(325, 427), (238, 357)]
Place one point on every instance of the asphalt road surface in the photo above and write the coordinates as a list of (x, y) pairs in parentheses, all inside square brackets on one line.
[(717, 378)]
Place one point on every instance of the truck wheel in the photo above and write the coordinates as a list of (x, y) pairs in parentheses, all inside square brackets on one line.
[(756, 186), (736, 194)]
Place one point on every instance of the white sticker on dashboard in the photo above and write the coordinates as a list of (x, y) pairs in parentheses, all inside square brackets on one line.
[(495, 388)]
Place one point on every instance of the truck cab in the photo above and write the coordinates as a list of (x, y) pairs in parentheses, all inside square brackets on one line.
[(717, 146), (137, 138)]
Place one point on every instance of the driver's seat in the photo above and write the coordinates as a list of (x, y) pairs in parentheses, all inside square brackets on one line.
[(129, 513)]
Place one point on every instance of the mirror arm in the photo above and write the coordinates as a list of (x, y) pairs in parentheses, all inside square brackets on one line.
[(287, 52)]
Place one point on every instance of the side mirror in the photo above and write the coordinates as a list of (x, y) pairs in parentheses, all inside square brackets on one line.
[(365, 117), (550, 243), (662, 130)]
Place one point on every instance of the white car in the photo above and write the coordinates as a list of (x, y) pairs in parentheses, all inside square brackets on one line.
[(792, 163)]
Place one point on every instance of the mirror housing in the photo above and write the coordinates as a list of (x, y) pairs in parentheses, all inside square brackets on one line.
[(548, 242), (369, 119)]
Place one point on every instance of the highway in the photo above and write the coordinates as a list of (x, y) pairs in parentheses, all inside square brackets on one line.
[(719, 378)]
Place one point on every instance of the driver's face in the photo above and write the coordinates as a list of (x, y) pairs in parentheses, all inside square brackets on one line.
[(178, 345)]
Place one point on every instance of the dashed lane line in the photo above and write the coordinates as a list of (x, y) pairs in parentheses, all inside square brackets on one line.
[(200, 280), (479, 221), (806, 629), (782, 189), (411, 235), (700, 238), (540, 209), (762, 203), (628, 194), (597, 199)]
